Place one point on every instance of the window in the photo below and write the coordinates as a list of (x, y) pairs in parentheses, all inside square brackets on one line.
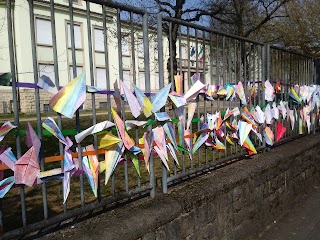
[(77, 36), (98, 40), (141, 83), (47, 108), (127, 78), (48, 70), (140, 48), (44, 33), (184, 52), (79, 71), (156, 53), (103, 105), (125, 46), (101, 81), (155, 82)]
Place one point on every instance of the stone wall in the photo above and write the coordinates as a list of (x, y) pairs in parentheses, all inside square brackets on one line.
[(237, 201), (28, 101)]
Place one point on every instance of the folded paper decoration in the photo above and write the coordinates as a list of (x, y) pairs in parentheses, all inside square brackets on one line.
[(280, 131), (132, 100), (112, 158), (8, 158), (249, 146), (50, 125), (241, 94), (107, 139), (178, 84), (5, 128), (27, 168), (46, 84), (230, 92), (130, 124), (5, 185), (70, 97), (127, 141), (275, 111), (145, 103), (92, 130), (193, 92), (200, 140), (191, 110), (268, 136), (170, 134), (295, 97), (259, 115), (90, 165), (162, 116), (269, 91), (5, 79), (268, 114), (244, 130), (177, 100), (159, 100)]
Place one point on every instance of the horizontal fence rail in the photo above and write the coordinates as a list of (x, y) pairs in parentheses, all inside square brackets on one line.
[(109, 42)]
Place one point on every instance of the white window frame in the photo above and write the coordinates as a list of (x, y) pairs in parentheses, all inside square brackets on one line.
[(94, 39), (70, 70), (75, 24), (40, 18), (42, 66), (125, 41), (96, 77)]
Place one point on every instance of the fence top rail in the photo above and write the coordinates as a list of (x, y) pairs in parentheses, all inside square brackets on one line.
[(290, 51), (199, 27), (121, 6)]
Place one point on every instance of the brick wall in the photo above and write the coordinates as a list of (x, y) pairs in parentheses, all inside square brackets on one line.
[(234, 202)]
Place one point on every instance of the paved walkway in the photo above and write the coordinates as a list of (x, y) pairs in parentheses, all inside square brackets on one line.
[(302, 223)]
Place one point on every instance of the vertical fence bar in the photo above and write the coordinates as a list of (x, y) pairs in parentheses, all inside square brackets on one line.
[(161, 85), (74, 68), (106, 59), (56, 76), (15, 103), (92, 82), (147, 84), (37, 98)]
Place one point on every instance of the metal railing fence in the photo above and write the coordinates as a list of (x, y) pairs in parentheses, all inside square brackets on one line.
[(133, 51)]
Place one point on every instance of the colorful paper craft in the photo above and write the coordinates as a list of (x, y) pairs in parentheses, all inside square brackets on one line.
[(70, 97), (92, 130), (132, 100), (5, 128)]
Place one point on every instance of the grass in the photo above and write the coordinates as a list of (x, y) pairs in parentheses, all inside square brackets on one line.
[(11, 204)]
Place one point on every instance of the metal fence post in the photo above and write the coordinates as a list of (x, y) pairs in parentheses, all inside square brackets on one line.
[(161, 85)]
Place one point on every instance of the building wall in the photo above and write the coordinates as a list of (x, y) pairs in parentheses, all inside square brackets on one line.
[(45, 61)]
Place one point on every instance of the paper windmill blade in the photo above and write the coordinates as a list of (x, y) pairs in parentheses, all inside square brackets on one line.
[(159, 100), (145, 103), (132, 100), (70, 97), (268, 135), (5, 128), (27, 168), (5, 79), (280, 131)]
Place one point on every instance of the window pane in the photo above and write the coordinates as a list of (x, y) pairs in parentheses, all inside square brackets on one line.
[(155, 82), (101, 78), (184, 52), (98, 40), (44, 33), (127, 78), (79, 71), (141, 81), (125, 46), (77, 36), (140, 48), (48, 70)]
